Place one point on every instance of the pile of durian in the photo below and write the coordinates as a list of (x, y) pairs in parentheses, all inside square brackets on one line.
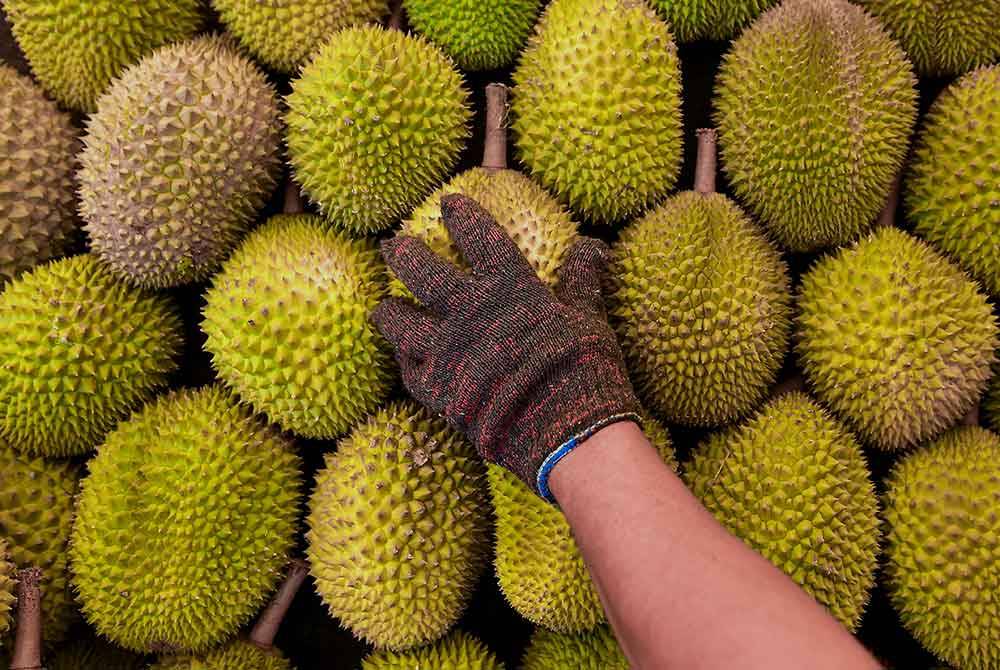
[(195, 410)]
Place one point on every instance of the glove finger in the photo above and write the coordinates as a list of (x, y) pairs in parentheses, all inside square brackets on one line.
[(483, 242), (429, 277), (581, 274), (408, 328)]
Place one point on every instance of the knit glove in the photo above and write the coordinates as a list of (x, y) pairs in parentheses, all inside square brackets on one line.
[(525, 374)]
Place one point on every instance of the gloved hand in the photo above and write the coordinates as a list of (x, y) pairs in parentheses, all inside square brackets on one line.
[(526, 374)]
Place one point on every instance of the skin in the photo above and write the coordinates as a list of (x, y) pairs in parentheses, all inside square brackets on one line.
[(679, 590)]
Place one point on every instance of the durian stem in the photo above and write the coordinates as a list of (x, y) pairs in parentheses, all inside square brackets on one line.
[(888, 216), (972, 418), (395, 15), (704, 169), (28, 644), (495, 153), (293, 198), (789, 385), (266, 629)]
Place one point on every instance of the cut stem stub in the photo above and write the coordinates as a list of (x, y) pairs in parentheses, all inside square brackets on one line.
[(266, 629), (704, 169), (28, 643), (495, 151)]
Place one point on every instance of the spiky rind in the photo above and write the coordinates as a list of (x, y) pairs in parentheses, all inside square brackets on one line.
[(478, 34), (237, 655), (37, 498), (288, 330), (593, 650), (942, 37), (793, 484), (37, 204), (184, 523), (77, 47), (171, 175), (894, 338), (952, 194), (92, 653), (603, 133), (709, 19), (991, 402), (398, 528), (8, 591), (458, 651), (702, 305), (375, 121), (284, 34), (814, 104), (942, 508), (79, 350)]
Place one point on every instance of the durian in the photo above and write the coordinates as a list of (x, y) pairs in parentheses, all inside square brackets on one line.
[(8, 595), (701, 303), (991, 402), (79, 350), (953, 187), (183, 150), (92, 653), (458, 651), (288, 330), (709, 19), (814, 104), (894, 338), (375, 121), (398, 528), (478, 34), (37, 148), (184, 523), (77, 47), (597, 114), (942, 555), (793, 484), (593, 650)]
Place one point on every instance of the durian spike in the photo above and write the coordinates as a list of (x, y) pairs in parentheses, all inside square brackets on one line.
[(495, 153), (790, 384), (266, 628), (293, 198), (395, 21), (888, 215), (28, 643), (972, 418), (704, 169)]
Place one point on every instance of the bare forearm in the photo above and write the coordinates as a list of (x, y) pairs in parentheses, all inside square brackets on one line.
[(680, 590)]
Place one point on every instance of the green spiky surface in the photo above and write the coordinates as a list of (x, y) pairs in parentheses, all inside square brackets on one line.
[(285, 34), (952, 191), (288, 330), (943, 557), (36, 517), (79, 350), (709, 19), (894, 338), (991, 402), (793, 484), (368, 141), (37, 146), (77, 47), (942, 37), (593, 650), (184, 523), (8, 591), (164, 208), (237, 655), (398, 528), (91, 653), (478, 34), (602, 132), (814, 105), (702, 308), (538, 564), (458, 651)]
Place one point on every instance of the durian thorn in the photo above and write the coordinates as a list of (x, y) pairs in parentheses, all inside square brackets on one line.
[(266, 628), (792, 384), (972, 417), (495, 153), (395, 21), (28, 643), (704, 168), (887, 218), (293, 198)]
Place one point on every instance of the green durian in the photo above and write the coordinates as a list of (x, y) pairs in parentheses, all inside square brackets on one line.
[(285, 34), (375, 121), (184, 523), (77, 47), (537, 563), (478, 34), (79, 350), (37, 499), (593, 650), (165, 208), (458, 651), (93, 653), (37, 203), (399, 528), (796, 463), (288, 330), (814, 104), (942, 511), (942, 37), (894, 338), (952, 193), (597, 107), (8, 592), (693, 20), (237, 655)]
